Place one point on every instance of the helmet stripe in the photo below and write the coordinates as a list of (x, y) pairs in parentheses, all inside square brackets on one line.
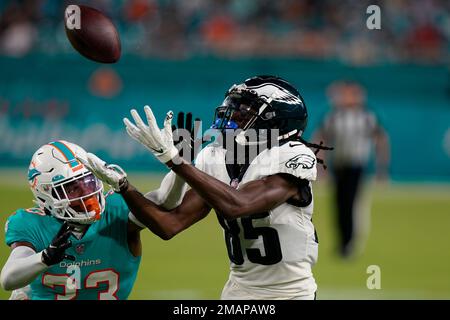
[(67, 153)]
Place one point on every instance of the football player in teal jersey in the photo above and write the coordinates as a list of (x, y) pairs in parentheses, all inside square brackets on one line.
[(77, 243)]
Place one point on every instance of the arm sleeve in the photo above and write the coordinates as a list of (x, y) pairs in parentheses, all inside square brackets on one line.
[(135, 220), (170, 193), (22, 267)]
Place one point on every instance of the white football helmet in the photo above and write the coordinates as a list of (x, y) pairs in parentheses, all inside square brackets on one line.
[(64, 186)]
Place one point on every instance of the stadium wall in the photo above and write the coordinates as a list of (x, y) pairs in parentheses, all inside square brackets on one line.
[(45, 98)]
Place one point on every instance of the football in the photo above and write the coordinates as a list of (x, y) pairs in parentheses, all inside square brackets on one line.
[(92, 34)]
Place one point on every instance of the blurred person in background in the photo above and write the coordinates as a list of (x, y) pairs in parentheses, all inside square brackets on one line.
[(353, 130)]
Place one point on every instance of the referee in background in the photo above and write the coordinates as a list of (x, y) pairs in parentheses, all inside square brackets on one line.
[(353, 131)]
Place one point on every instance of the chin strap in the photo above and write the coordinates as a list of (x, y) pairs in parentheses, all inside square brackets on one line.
[(287, 135)]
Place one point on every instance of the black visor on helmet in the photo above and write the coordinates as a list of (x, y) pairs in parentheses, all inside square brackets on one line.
[(236, 112)]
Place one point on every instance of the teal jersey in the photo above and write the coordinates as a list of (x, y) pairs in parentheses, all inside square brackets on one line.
[(104, 266)]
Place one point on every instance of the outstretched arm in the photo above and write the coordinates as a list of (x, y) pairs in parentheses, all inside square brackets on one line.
[(165, 223), (253, 197)]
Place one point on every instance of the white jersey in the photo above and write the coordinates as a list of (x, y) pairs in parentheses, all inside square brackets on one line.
[(271, 254)]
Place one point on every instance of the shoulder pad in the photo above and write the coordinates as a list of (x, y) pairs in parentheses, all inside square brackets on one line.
[(294, 158)]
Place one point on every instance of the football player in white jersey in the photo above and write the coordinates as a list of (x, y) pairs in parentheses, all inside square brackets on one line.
[(263, 201)]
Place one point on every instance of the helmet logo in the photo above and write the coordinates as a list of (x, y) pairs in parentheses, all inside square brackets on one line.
[(67, 154), (277, 93)]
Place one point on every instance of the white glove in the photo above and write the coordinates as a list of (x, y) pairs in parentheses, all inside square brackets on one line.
[(111, 174), (159, 142)]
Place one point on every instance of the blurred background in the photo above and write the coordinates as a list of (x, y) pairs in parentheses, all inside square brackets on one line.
[(183, 56)]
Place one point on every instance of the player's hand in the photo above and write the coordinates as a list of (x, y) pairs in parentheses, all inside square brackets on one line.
[(186, 136), (158, 141), (111, 174), (56, 251)]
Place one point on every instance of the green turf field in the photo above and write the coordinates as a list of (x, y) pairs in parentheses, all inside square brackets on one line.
[(409, 240)]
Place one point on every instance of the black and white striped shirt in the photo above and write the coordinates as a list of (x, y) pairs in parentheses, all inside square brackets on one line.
[(351, 132)]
